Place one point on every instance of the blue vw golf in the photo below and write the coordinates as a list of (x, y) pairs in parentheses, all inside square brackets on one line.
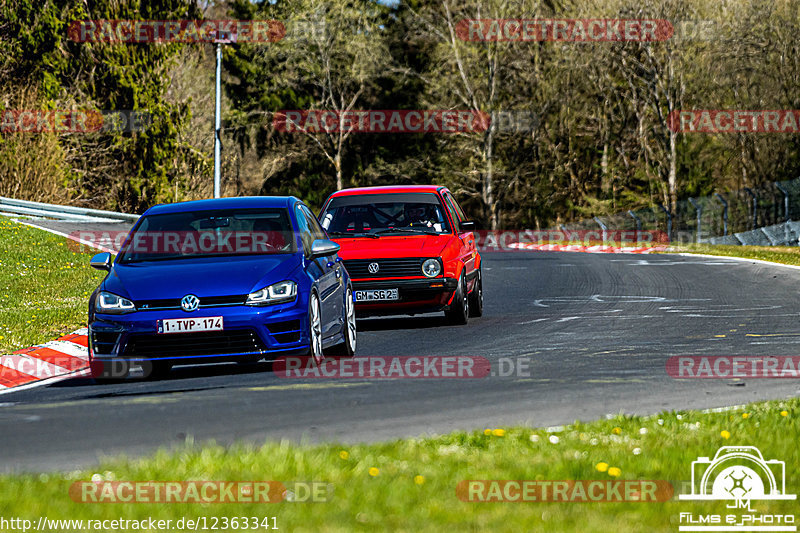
[(232, 279)]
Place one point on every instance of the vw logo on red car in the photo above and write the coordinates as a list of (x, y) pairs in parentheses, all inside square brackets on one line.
[(408, 250)]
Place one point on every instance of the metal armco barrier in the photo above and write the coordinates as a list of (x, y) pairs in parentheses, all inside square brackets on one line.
[(755, 216), (12, 207)]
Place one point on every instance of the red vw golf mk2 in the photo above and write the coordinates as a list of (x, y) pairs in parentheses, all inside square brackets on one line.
[(408, 250)]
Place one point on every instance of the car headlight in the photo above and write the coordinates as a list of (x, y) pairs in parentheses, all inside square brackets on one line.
[(285, 291), (431, 268), (110, 303)]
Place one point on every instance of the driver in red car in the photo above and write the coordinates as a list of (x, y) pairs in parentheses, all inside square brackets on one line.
[(420, 215)]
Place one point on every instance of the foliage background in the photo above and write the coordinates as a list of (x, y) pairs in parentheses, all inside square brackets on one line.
[(600, 143)]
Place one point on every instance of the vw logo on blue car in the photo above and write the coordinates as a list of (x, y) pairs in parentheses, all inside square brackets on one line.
[(270, 280), (190, 302)]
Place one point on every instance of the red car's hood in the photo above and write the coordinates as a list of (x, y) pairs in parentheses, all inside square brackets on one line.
[(392, 246)]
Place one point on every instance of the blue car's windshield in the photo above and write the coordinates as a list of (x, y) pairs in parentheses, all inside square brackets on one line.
[(210, 233)]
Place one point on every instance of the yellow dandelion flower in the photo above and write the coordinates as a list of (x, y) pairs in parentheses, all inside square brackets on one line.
[(499, 432), (419, 480), (745, 415), (374, 471), (616, 430), (601, 467), (725, 434), (614, 471), (783, 413), (344, 454), (487, 431)]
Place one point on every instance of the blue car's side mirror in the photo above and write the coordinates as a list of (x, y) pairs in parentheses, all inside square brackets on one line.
[(101, 261), (323, 247)]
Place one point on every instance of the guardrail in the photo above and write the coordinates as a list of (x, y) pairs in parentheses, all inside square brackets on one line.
[(758, 215), (12, 207)]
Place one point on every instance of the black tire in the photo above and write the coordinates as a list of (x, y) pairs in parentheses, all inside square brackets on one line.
[(476, 297), (458, 313), (348, 347)]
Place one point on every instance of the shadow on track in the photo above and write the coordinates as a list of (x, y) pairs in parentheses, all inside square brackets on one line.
[(399, 323)]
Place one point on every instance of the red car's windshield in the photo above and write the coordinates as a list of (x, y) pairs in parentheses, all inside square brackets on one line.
[(376, 214)]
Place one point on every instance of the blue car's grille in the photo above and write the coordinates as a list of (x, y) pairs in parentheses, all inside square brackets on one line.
[(387, 268), (205, 301), (243, 341)]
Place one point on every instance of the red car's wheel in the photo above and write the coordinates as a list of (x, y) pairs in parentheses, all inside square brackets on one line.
[(476, 297), (459, 309)]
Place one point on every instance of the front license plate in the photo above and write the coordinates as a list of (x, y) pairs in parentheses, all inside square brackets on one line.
[(189, 325), (377, 295)]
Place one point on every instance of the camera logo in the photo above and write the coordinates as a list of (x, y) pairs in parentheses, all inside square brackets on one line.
[(738, 473)]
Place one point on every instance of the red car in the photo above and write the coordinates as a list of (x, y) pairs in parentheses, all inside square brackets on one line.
[(408, 249)]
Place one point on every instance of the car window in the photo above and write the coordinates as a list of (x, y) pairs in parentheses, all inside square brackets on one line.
[(453, 212), (304, 228), (209, 233), (377, 214), (453, 205), (316, 229)]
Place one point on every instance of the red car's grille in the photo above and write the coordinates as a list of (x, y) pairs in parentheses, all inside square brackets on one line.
[(387, 268)]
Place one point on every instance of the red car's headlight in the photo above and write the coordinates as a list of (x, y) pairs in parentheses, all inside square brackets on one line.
[(431, 268)]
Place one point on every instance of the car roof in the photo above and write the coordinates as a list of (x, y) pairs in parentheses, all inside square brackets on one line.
[(388, 189), (242, 202)]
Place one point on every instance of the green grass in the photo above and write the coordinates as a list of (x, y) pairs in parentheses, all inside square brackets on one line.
[(45, 283), (395, 498), (788, 255)]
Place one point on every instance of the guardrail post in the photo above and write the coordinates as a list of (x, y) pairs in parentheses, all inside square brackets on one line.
[(669, 221), (604, 228), (785, 200), (699, 210), (724, 213), (638, 220), (755, 205)]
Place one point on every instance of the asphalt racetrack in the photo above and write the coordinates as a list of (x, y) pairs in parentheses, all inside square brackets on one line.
[(594, 329)]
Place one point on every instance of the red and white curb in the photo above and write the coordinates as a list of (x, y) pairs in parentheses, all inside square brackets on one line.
[(597, 249), (43, 364)]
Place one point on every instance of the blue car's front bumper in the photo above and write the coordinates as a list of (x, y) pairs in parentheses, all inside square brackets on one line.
[(249, 333)]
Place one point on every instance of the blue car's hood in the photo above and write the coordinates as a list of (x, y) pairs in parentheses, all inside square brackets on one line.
[(218, 276)]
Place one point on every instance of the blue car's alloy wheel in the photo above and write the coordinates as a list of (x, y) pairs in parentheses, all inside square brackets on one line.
[(315, 328)]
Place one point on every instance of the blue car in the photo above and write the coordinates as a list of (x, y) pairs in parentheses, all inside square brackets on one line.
[(233, 279)]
